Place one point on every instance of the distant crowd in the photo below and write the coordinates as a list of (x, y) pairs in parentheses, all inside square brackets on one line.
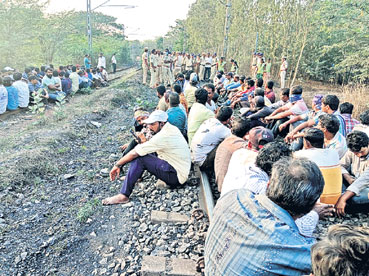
[(279, 165), (18, 89)]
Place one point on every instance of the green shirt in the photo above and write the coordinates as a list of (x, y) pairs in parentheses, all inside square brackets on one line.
[(268, 67), (221, 66)]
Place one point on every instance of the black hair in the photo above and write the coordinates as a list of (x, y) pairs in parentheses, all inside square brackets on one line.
[(251, 83), (31, 78), (201, 95), (61, 74), (296, 90), (188, 75), (240, 127), (49, 69), (259, 83), (364, 117), (177, 88), (357, 140), (332, 101), (43, 68), (315, 137), (224, 113), (330, 122), (180, 75), (211, 86), (27, 70), (74, 68), (346, 108), (174, 99), (17, 76), (270, 154), (7, 81), (259, 92), (286, 92), (161, 89), (66, 74), (270, 84), (243, 78)]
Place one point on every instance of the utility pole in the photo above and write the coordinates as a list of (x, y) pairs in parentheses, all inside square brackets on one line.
[(89, 31), (227, 26), (89, 25)]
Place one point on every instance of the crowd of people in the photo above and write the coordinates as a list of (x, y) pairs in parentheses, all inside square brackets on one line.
[(279, 166), (18, 89)]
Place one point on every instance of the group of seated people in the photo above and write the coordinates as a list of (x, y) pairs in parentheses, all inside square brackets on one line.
[(17, 90), (279, 167)]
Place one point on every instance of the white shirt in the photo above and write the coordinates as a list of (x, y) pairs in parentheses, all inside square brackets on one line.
[(23, 93), (322, 157), (211, 106), (113, 60), (209, 135), (208, 62), (179, 61), (236, 176), (170, 146), (338, 143), (101, 62), (249, 176), (3, 99)]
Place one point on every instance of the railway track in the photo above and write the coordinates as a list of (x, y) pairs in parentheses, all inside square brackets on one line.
[(112, 77)]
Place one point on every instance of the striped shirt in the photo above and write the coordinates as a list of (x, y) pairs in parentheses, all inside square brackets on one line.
[(251, 235)]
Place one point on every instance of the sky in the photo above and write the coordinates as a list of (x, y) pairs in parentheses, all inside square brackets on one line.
[(149, 19)]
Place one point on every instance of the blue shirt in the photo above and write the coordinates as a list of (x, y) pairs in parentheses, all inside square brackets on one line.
[(33, 87), (66, 85), (87, 63), (251, 235), (233, 85), (13, 101), (177, 117)]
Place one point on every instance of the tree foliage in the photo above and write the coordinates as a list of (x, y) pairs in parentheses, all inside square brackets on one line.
[(29, 36), (322, 39)]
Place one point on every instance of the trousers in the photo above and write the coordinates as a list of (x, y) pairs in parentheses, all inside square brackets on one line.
[(150, 162), (153, 80), (144, 74), (283, 79)]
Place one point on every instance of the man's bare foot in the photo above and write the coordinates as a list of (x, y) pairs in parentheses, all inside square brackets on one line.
[(124, 177), (117, 199)]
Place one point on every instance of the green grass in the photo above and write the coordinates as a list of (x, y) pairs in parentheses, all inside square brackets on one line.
[(86, 211)]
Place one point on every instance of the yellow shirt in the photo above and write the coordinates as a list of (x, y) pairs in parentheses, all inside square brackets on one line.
[(170, 146), (190, 95)]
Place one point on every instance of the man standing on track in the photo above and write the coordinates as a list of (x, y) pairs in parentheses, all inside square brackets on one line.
[(114, 63), (145, 65)]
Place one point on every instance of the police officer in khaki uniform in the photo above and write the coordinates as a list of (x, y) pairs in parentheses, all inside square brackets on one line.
[(188, 62), (153, 68), (145, 65), (214, 67), (166, 68), (177, 64), (159, 72), (202, 67)]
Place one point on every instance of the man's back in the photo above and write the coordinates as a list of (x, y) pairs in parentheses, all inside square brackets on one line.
[(198, 114), (23, 93), (75, 81), (251, 235), (210, 133)]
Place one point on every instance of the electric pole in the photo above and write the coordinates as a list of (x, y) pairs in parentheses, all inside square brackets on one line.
[(89, 32), (227, 26), (89, 25)]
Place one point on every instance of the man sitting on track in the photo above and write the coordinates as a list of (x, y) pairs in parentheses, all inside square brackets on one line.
[(256, 234), (355, 172), (171, 165)]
